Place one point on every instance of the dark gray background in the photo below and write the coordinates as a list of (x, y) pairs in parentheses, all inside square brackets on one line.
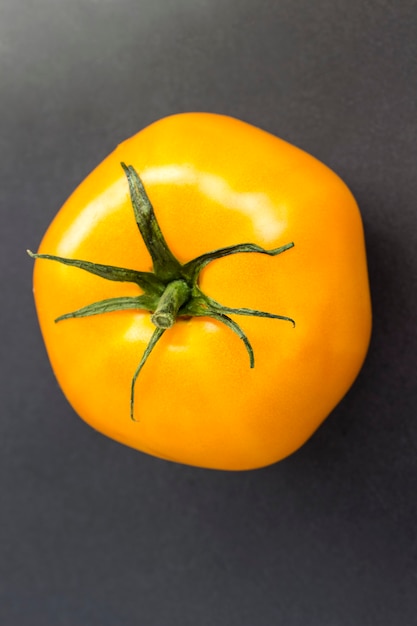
[(93, 533)]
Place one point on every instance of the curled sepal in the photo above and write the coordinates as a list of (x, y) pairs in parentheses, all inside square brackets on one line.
[(157, 334), (225, 319), (145, 280), (192, 269), (147, 303), (244, 311)]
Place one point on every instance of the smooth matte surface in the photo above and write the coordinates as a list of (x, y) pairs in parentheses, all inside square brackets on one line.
[(92, 533)]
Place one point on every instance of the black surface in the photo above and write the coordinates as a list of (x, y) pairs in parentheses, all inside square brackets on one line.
[(93, 533)]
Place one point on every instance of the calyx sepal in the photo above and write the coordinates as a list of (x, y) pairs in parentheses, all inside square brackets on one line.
[(171, 290)]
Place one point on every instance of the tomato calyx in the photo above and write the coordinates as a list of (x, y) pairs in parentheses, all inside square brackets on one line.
[(171, 291)]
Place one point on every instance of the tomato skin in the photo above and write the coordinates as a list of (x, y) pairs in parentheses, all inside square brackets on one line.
[(214, 181)]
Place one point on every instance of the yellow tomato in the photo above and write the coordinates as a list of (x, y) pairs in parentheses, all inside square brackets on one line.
[(178, 361)]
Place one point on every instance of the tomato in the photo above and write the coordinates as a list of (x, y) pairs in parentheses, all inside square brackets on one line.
[(203, 295)]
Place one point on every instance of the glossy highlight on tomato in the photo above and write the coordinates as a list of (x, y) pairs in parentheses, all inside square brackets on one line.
[(203, 294)]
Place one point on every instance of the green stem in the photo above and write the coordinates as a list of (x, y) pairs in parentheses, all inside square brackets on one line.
[(175, 295)]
